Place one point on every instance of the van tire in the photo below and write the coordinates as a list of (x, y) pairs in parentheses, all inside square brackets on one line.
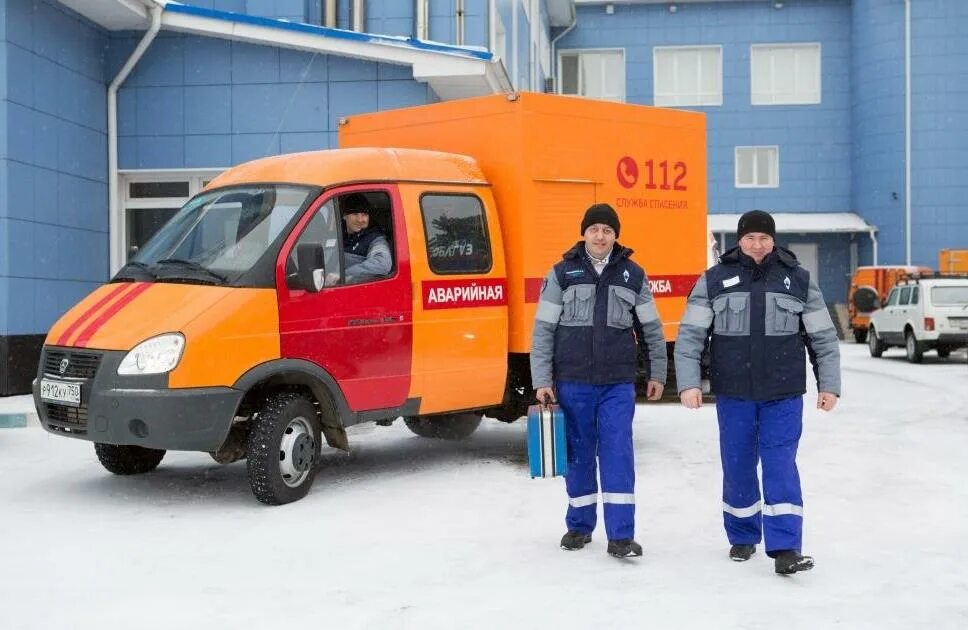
[(915, 353), (447, 426), (874, 344), (128, 460), (860, 335), (283, 449)]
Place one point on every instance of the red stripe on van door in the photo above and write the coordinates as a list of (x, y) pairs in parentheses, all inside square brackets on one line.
[(127, 298), (65, 336)]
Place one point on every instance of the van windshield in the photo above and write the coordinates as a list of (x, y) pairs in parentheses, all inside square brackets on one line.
[(949, 296), (218, 236)]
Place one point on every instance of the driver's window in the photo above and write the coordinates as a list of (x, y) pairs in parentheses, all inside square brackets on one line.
[(892, 299), (322, 231)]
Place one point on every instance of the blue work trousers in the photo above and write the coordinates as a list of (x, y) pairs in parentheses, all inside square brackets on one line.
[(768, 433), (599, 426)]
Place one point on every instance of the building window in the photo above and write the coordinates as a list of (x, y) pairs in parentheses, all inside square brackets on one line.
[(150, 199), (457, 239), (757, 167), (688, 75), (785, 74), (593, 74)]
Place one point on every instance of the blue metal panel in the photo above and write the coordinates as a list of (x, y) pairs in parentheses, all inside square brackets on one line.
[(254, 64), (20, 22), (305, 109), (4, 249), (128, 111), (16, 190), (160, 152), (258, 108), (82, 255), (21, 318), (161, 110), (81, 202), (396, 94), (390, 71), (233, 6), (441, 21), (4, 291), (162, 64), (351, 97), (18, 68), (298, 66), (206, 108), (476, 29), (251, 146), (21, 243), (296, 142), (46, 305), (46, 85), (207, 60), (343, 69), (208, 151)]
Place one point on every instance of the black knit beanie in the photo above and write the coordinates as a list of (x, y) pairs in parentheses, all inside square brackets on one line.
[(755, 221), (601, 213)]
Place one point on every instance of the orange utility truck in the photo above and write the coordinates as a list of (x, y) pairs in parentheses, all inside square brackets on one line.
[(245, 329), (953, 261), (869, 287)]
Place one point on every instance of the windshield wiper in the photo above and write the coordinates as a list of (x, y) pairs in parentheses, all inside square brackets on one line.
[(193, 266), (140, 266)]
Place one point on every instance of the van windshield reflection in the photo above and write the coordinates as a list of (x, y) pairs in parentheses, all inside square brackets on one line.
[(218, 236)]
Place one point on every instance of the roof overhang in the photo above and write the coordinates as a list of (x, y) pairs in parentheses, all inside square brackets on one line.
[(560, 12), (799, 223), (451, 71)]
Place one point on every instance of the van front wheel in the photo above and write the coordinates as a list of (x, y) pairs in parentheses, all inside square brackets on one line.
[(447, 426), (283, 449)]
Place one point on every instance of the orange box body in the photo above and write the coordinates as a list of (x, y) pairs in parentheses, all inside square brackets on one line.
[(547, 159)]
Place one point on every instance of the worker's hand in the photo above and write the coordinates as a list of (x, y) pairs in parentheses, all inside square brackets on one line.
[(691, 398), (826, 401), (653, 390), (545, 395)]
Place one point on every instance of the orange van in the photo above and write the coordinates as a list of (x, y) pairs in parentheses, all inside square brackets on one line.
[(869, 287), (241, 329)]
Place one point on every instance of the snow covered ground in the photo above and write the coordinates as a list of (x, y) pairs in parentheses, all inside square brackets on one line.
[(410, 533)]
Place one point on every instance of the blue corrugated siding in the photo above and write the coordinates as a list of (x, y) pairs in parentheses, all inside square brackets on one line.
[(53, 197)]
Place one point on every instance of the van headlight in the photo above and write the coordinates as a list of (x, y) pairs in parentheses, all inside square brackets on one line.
[(154, 356)]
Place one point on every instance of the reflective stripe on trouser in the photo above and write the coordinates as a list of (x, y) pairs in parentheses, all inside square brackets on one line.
[(599, 422), (768, 432)]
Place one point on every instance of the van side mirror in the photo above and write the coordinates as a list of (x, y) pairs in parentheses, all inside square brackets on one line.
[(309, 258)]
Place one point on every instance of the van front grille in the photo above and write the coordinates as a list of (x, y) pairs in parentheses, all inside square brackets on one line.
[(79, 364), (67, 419)]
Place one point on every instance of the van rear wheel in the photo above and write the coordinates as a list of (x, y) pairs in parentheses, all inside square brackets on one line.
[(128, 460), (283, 448), (446, 426)]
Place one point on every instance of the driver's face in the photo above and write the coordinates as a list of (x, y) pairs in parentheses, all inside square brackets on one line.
[(356, 221)]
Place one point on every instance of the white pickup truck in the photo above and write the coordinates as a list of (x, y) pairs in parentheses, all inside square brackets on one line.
[(922, 314)]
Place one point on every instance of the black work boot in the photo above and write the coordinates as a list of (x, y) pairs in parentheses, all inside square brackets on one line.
[(790, 561), (573, 541), (741, 553), (625, 548)]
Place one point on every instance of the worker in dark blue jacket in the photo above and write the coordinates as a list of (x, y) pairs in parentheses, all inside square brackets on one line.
[(595, 310), (761, 307)]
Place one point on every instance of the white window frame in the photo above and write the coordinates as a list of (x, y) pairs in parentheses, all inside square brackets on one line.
[(736, 152), (689, 100), (768, 98), (196, 178), (581, 51)]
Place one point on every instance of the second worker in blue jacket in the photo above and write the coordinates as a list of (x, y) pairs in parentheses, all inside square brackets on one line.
[(763, 310), (594, 305)]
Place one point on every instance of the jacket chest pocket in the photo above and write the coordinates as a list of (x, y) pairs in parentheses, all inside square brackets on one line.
[(783, 314), (732, 314), (621, 301), (577, 305)]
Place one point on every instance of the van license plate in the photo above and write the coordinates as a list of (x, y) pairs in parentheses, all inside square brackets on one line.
[(61, 392)]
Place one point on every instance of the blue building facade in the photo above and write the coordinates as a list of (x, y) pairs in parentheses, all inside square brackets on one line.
[(226, 81)]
